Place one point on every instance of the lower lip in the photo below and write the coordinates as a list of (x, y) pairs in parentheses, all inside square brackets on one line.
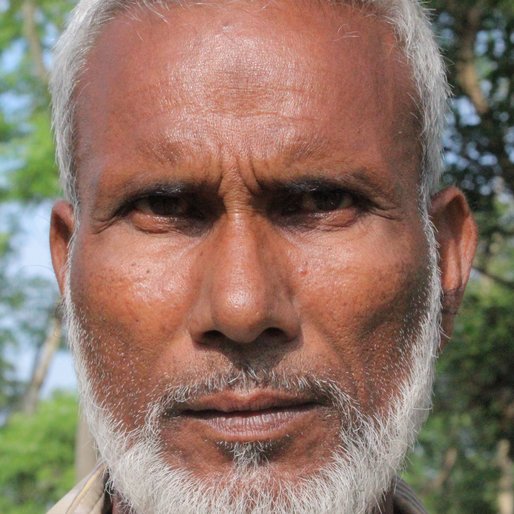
[(253, 425)]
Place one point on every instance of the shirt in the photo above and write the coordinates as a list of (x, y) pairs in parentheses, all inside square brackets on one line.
[(88, 497)]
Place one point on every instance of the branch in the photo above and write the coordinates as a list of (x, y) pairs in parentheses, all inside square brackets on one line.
[(48, 349), (504, 232), (467, 74), (506, 481), (30, 31), (468, 23), (450, 458), (500, 280)]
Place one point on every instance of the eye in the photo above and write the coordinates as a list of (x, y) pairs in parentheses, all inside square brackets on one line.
[(166, 206), (161, 212), (317, 201)]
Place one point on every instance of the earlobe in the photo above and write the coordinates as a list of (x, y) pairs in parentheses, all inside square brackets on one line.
[(457, 237), (61, 230)]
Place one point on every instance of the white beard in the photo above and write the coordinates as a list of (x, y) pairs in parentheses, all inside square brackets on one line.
[(354, 481)]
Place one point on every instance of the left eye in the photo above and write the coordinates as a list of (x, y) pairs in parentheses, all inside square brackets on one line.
[(312, 202)]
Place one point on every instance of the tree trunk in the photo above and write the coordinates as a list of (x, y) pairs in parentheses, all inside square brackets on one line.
[(450, 458), (31, 34), (467, 74), (42, 365), (506, 482)]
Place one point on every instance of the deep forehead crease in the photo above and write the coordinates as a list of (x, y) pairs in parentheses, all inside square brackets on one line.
[(174, 151)]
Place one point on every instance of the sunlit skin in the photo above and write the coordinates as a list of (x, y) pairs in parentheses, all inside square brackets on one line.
[(248, 184)]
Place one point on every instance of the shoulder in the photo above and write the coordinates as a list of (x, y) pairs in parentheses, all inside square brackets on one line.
[(87, 497)]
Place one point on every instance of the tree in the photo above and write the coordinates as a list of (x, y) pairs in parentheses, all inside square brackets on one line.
[(464, 462), (24, 312), (28, 175), (463, 458)]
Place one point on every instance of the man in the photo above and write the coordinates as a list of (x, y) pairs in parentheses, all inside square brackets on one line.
[(257, 267)]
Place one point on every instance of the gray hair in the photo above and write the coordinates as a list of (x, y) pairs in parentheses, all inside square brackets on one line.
[(408, 18)]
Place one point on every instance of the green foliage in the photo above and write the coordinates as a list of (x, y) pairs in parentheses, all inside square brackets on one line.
[(28, 174), (34, 177), (27, 32), (37, 455), (474, 394), (477, 38), (455, 465)]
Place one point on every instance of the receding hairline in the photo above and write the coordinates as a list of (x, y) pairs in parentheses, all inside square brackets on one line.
[(399, 83), (409, 25)]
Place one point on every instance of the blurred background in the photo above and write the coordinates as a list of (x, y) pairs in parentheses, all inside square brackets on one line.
[(464, 460)]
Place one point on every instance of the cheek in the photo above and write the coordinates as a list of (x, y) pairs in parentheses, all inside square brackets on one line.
[(361, 309), (133, 299)]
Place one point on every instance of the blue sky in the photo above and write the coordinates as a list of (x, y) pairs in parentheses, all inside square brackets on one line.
[(34, 259)]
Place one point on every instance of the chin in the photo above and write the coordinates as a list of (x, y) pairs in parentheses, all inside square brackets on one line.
[(259, 477)]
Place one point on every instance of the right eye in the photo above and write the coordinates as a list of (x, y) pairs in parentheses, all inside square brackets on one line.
[(159, 213), (165, 206)]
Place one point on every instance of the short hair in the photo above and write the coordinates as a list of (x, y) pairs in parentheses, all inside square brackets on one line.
[(408, 18)]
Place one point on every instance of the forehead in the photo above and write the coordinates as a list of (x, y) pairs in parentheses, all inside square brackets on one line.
[(241, 80)]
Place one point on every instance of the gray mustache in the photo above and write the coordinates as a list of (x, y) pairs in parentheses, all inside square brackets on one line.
[(318, 389)]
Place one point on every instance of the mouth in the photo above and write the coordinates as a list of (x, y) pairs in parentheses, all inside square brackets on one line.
[(249, 416)]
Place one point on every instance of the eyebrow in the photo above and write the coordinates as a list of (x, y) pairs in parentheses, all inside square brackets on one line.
[(170, 188), (341, 174), (358, 183), (358, 180)]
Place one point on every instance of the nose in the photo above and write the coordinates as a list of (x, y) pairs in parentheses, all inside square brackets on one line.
[(243, 296)]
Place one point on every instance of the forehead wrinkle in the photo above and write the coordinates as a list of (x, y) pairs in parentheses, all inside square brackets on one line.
[(164, 150), (174, 151), (301, 149)]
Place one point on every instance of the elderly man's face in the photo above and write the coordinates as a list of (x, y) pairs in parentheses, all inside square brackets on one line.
[(249, 216)]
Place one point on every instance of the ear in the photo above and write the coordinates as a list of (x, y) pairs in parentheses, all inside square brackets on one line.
[(62, 224), (457, 237)]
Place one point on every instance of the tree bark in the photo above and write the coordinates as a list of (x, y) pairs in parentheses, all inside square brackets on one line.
[(450, 458), (42, 365), (31, 34), (467, 74), (506, 482)]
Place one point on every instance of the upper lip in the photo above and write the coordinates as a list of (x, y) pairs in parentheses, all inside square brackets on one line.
[(256, 400)]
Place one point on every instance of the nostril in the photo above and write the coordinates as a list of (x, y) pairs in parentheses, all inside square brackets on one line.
[(213, 336), (216, 337), (273, 333)]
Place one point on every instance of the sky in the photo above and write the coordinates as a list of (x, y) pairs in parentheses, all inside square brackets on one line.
[(34, 259)]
